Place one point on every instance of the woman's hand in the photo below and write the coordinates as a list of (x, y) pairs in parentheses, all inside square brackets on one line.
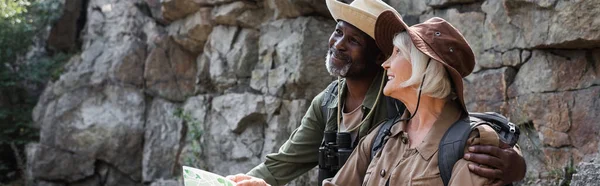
[(245, 180), (502, 164)]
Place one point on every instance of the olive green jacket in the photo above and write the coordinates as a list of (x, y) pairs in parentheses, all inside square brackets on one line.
[(299, 153)]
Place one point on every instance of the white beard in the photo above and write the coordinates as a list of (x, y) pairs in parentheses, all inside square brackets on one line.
[(334, 71)]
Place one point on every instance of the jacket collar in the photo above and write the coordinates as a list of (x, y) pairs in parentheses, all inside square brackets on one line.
[(371, 96), (450, 114)]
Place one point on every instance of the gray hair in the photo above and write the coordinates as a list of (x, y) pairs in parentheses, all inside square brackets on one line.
[(437, 82)]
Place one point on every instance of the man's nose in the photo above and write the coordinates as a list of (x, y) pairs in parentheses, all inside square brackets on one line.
[(340, 44)]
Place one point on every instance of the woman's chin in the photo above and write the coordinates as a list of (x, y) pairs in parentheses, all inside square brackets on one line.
[(387, 91)]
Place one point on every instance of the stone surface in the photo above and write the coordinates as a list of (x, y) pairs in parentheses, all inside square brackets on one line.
[(162, 182), (162, 138), (554, 138), (192, 32), (587, 174), (49, 163), (112, 50), (546, 24), (106, 124), (408, 8), (306, 179), (113, 22), (557, 159), (130, 70), (510, 58), (444, 3), (239, 13), (486, 91), (230, 54), (196, 108), (95, 111), (556, 71), (279, 9), (556, 115), (48, 183), (292, 57), (170, 71), (111, 176), (234, 135), (155, 7), (64, 34), (177, 9), (290, 112)]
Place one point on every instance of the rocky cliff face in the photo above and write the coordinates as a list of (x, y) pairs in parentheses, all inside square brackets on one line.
[(218, 84)]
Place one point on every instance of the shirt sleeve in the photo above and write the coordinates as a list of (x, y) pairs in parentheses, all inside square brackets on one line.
[(354, 170), (461, 175), (299, 153)]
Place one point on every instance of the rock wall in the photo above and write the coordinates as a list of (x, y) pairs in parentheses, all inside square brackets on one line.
[(218, 84)]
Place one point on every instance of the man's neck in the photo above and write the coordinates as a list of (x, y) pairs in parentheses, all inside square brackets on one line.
[(357, 90)]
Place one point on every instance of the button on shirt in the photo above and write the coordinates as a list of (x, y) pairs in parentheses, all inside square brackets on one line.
[(401, 165)]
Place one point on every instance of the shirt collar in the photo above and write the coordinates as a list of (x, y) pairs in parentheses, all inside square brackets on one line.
[(372, 92), (451, 112)]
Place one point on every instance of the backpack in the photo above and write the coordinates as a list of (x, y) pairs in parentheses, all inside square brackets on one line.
[(452, 144)]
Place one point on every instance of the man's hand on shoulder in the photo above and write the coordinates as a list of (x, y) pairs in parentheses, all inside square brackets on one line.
[(245, 180), (502, 164)]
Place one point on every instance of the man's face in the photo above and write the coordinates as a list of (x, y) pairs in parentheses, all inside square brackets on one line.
[(350, 51)]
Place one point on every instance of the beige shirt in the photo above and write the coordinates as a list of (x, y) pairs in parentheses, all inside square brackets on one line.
[(402, 165), (350, 120)]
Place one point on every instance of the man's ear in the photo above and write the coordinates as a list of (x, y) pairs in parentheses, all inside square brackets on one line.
[(381, 58)]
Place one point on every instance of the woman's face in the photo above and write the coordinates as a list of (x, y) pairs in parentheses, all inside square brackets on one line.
[(399, 70)]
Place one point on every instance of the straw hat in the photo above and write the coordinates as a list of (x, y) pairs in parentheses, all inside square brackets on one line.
[(360, 13), (436, 38)]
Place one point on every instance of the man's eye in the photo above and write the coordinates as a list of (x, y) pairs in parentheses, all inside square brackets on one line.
[(338, 31), (354, 41)]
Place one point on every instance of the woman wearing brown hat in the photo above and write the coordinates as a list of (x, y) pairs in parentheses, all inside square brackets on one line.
[(425, 69)]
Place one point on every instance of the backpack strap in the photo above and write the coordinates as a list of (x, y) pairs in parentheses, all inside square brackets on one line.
[(452, 146), (394, 107), (380, 140), (330, 94)]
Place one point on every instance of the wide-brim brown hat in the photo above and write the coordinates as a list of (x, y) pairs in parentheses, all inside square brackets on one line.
[(360, 13), (437, 39)]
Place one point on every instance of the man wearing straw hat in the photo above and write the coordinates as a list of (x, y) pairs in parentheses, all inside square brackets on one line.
[(354, 56)]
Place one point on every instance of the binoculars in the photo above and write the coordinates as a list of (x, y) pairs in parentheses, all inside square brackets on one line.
[(333, 153)]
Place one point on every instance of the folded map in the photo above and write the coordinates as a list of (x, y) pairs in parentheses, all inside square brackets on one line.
[(197, 177)]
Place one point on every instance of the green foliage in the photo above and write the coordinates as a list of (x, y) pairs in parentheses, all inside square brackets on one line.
[(20, 22), (193, 137), (12, 8), (194, 126)]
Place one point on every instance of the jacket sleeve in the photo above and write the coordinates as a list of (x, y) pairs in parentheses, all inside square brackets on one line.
[(299, 153), (483, 135)]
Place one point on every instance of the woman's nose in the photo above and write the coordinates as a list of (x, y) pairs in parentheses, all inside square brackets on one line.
[(386, 64)]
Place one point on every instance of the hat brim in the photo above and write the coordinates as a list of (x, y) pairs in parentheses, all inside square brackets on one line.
[(388, 24), (360, 19)]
